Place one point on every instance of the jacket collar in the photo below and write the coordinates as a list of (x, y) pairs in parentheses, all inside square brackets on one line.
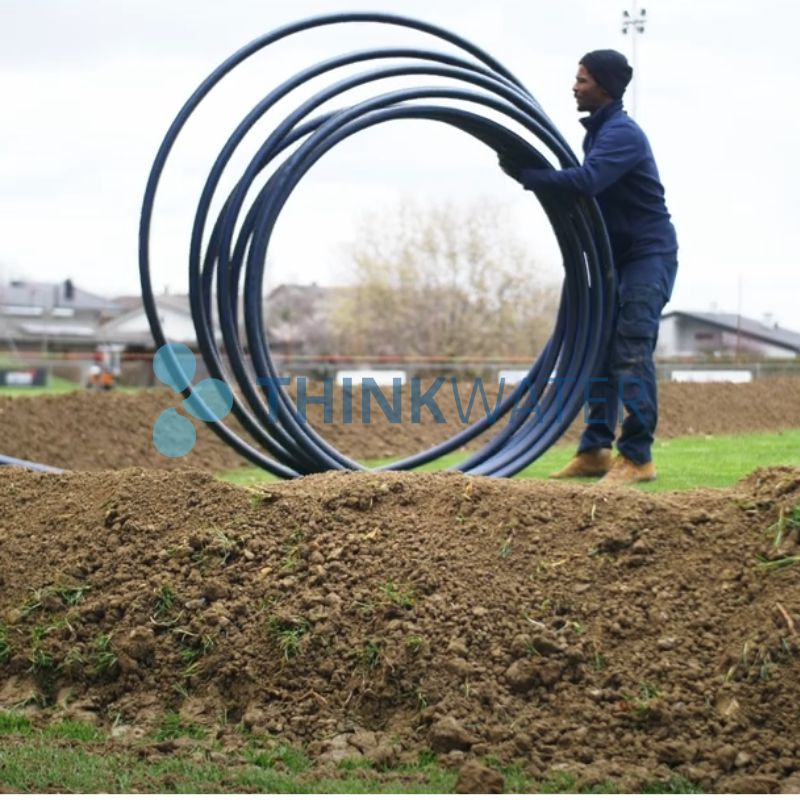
[(595, 121)]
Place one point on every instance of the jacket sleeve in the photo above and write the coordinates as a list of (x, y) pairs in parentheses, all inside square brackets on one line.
[(615, 152)]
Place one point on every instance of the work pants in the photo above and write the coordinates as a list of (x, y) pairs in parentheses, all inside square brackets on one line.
[(628, 373)]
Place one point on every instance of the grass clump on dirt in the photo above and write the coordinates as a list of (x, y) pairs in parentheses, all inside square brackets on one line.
[(62, 730), (399, 594), (288, 635), (105, 659), (784, 538), (5, 647), (172, 727), (72, 730), (276, 755), (164, 603), (16, 724), (675, 784)]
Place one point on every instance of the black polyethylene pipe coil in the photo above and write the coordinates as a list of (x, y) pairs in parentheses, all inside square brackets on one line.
[(239, 240)]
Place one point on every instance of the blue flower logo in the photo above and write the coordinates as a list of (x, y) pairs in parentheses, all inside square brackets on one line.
[(211, 400)]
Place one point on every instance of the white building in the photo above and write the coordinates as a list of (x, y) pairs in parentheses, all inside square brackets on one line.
[(692, 334), (40, 316)]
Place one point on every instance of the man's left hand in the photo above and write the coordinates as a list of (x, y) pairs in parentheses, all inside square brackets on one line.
[(512, 166)]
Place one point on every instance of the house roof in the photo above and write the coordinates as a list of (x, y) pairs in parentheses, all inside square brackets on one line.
[(37, 329), (752, 328), (44, 295), (134, 302), (178, 303), (20, 331), (135, 308)]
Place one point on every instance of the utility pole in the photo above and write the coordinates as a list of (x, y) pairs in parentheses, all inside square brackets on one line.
[(633, 22), (739, 320)]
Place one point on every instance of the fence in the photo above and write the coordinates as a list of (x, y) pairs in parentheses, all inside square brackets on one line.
[(137, 369)]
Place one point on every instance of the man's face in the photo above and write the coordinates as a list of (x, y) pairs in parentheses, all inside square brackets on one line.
[(589, 94)]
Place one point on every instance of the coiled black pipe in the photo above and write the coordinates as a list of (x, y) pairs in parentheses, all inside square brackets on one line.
[(587, 300), (553, 389), (287, 446)]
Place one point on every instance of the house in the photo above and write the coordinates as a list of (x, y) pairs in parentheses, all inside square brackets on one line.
[(51, 317), (132, 329), (692, 334), (297, 320)]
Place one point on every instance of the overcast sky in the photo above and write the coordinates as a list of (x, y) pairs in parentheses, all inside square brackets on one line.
[(89, 88)]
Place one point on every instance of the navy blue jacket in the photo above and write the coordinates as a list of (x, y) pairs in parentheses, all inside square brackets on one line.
[(620, 171)]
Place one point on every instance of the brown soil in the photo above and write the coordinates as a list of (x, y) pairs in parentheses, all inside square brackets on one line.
[(113, 431), (608, 633), (95, 431)]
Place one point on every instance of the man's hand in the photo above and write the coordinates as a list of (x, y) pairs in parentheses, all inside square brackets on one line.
[(512, 166)]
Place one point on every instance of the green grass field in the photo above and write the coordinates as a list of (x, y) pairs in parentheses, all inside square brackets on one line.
[(60, 386), (684, 463), (55, 386), (70, 756)]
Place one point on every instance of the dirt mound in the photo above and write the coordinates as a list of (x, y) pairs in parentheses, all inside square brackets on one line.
[(689, 409), (607, 633), (114, 430), (96, 431)]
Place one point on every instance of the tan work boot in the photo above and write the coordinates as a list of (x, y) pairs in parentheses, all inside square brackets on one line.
[(588, 464), (623, 471)]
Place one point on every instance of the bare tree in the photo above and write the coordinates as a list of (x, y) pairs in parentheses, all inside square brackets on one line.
[(443, 281)]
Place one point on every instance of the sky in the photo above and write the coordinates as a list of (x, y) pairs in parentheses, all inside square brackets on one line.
[(89, 88)]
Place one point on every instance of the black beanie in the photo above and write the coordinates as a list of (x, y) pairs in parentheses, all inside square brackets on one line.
[(610, 69)]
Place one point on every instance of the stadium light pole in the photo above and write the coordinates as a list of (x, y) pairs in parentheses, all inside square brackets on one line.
[(633, 22)]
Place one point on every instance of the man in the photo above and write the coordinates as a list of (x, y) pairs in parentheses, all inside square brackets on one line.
[(620, 172)]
